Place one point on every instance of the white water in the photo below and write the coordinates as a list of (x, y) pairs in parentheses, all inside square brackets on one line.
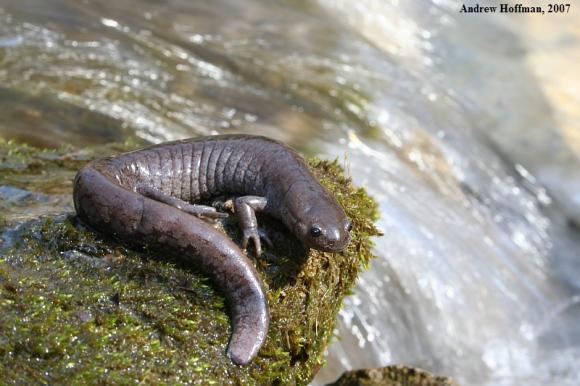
[(465, 129), (478, 274)]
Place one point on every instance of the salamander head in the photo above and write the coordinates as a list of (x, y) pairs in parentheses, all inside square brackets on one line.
[(324, 226)]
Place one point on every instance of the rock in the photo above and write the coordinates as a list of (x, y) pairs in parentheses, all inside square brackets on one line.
[(392, 376), (78, 308)]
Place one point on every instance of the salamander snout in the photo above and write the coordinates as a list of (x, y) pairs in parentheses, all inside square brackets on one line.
[(318, 220), (332, 237)]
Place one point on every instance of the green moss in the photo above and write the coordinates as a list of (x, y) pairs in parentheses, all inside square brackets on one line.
[(78, 308), (392, 376)]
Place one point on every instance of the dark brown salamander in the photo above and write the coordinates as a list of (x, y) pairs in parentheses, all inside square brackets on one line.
[(147, 196)]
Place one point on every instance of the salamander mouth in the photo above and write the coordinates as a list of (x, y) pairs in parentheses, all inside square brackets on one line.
[(332, 246), (333, 249)]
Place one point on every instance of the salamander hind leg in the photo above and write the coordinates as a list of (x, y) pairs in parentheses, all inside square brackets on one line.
[(202, 211), (246, 208)]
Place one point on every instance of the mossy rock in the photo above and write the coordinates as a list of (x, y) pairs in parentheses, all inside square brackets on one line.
[(78, 308), (392, 376)]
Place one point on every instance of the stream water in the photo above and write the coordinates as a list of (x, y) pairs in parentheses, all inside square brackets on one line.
[(464, 127)]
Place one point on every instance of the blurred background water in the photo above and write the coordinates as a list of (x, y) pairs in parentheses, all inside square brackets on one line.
[(466, 128)]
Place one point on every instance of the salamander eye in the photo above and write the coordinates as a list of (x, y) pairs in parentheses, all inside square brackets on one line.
[(349, 226), (315, 231)]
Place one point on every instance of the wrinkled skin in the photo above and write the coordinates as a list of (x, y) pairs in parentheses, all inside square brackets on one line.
[(148, 197)]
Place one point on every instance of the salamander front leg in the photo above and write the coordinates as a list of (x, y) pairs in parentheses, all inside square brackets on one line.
[(203, 211), (246, 208)]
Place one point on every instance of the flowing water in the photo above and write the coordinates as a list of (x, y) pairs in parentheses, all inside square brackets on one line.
[(464, 127)]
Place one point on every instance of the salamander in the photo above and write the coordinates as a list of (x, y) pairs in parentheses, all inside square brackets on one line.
[(152, 197)]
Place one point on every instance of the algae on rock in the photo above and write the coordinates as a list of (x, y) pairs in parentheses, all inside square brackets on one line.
[(76, 307), (392, 376)]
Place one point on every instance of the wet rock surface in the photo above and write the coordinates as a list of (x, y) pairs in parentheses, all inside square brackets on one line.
[(78, 307), (392, 376)]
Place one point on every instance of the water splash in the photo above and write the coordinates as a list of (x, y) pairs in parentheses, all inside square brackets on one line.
[(477, 271)]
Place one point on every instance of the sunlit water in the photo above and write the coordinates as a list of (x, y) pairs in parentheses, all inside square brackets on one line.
[(465, 129)]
